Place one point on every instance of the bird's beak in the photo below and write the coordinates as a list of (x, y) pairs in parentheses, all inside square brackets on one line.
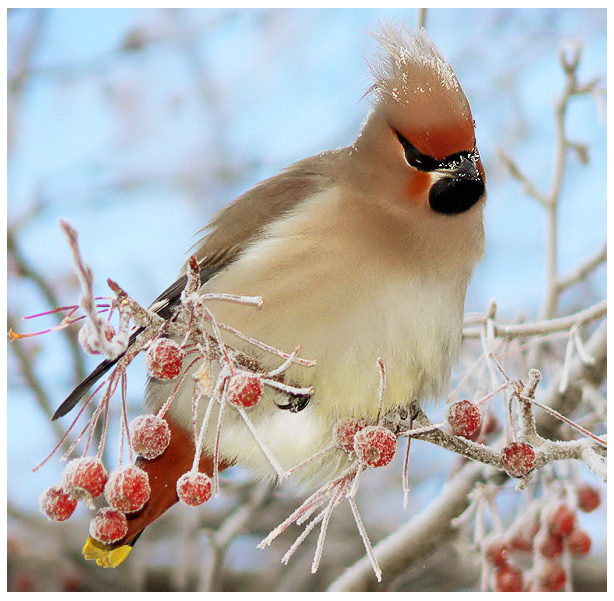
[(459, 186)]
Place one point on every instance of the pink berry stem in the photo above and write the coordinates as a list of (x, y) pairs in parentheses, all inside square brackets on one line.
[(355, 480), (285, 365), (295, 545), (469, 372), (125, 430), (365, 538), (203, 429), (493, 393), (309, 505), (103, 406), (254, 301), (218, 435), (70, 308), (406, 473), (267, 453), (568, 421), (265, 347), (162, 412), (293, 390), (313, 457), (63, 439), (218, 338), (91, 423), (103, 433), (334, 501), (382, 388)]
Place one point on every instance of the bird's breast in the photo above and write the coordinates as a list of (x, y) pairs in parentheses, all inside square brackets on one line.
[(325, 288)]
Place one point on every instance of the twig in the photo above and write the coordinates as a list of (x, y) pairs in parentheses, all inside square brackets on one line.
[(597, 311)]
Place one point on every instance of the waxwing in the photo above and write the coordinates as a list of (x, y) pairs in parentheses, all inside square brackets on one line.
[(359, 253)]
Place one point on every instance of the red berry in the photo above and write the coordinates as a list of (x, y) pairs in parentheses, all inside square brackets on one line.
[(550, 545), (520, 542), (508, 579), (464, 418), (164, 359), (498, 552), (84, 479), (552, 576), (375, 445), (518, 459), (127, 489), (149, 436), (588, 498), (194, 488), (108, 526), (579, 542), (56, 504), (244, 389), (344, 433), (561, 521)]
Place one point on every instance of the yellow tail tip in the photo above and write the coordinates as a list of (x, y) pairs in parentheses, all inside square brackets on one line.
[(105, 555)]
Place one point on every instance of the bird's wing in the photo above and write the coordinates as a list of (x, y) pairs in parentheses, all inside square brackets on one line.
[(229, 232)]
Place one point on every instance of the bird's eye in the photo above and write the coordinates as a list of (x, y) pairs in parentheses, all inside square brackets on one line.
[(418, 160)]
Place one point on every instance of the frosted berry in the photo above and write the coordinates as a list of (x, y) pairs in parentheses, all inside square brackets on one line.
[(521, 542), (108, 526), (56, 504), (194, 488), (518, 459), (588, 498), (464, 418), (244, 389), (84, 478), (149, 436), (523, 538), (164, 359), (552, 576), (344, 433), (89, 340), (127, 488), (550, 545), (508, 579), (498, 552), (578, 542), (561, 521), (375, 446)]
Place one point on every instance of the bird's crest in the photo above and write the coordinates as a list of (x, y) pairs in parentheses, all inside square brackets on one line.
[(418, 87)]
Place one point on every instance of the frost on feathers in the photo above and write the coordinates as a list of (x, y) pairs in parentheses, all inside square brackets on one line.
[(409, 69)]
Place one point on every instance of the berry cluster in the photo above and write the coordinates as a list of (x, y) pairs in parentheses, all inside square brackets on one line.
[(373, 446), (529, 558), (126, 490)]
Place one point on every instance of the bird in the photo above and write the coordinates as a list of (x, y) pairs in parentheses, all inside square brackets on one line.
[(359, 253)]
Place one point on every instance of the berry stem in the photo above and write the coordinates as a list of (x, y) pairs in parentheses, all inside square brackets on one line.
[(365, 538), (270, 458)]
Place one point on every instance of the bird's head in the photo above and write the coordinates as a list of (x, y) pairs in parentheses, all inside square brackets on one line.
[(418, 143)]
